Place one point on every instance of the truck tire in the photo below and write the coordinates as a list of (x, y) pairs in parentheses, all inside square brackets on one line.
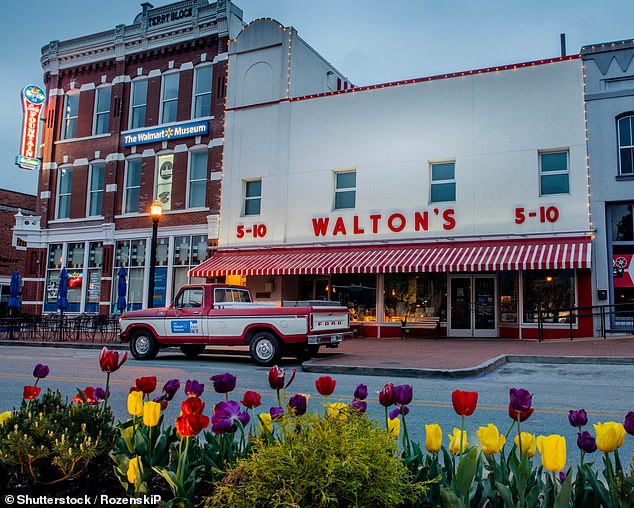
[(265, 348), (192, 350), (143, 345)]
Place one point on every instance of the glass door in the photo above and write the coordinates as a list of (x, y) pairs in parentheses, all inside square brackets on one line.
[(472, 311)]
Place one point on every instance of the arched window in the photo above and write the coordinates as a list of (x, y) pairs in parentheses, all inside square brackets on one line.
[(626, 144)]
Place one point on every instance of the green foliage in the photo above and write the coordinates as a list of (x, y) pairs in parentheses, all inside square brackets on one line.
[(48, 440), (625, 489), (319, 462)]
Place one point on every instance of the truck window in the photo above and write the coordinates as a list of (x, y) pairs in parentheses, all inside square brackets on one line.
[(240, 295), (220, 296), (190, 298)]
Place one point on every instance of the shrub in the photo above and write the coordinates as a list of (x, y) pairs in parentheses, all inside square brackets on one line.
[(320, 462), (47, 440)]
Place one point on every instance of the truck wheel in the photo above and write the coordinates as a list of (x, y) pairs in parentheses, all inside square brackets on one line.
[(143, 345), (192, 350), (265, 348)]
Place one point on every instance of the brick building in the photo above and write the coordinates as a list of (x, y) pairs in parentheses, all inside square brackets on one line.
[(133, 115)]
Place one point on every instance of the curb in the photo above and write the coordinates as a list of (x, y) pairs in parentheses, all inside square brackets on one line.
[(74, 345)]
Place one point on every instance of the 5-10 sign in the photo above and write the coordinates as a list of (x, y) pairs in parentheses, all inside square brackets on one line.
[(255, 231), (544, 213)]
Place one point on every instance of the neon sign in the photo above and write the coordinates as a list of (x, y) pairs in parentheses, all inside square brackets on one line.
[(33, 98)]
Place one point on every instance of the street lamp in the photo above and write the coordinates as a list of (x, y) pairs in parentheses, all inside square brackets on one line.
[(155, 212)]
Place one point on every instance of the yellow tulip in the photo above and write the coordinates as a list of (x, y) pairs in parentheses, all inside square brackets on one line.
[(553, 451), (135, 403), (265, 418), (454, 441), (338, 410), (610, 436), (151, 413), (528, 444), (4, 417), (433, 438), (394, 427), (490, 439), (135, 468)]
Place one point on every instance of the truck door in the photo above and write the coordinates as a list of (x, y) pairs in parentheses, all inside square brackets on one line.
[(188, 320)]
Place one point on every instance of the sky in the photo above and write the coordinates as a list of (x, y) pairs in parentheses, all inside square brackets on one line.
[(369, 41)]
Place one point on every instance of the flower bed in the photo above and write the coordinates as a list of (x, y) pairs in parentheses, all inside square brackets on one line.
[(301, 452)]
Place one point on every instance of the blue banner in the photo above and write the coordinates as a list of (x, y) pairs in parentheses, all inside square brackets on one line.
[(189, 326), (174, 131)]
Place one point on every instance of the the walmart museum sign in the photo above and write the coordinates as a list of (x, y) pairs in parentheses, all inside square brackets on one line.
[(173, 131)]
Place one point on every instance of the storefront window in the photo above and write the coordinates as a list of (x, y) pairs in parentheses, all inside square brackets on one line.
[(131, 255), (189, 251), (53, 265), (358, 293), (552, 293), (93, 289), (411, 297), (507, 284), (622, 223)]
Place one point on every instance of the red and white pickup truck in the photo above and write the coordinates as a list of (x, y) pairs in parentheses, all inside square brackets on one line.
[(222, 314)]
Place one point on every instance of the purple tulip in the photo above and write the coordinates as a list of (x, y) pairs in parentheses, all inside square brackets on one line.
[(400, 410), (223, 383), (562, 476), (403, 394), (100, 394), (629, 423), (586, 442), (194, 388), (578, 417), (276, 412), (225, 416), (359, 405), (521, 399), (40, 371), (298, 403), (170, 388), (244, 418), (361, 392)]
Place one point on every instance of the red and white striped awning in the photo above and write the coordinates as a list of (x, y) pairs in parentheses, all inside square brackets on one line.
[(525, 254)]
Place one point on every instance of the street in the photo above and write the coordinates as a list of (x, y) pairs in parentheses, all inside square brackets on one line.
[(601, 390)]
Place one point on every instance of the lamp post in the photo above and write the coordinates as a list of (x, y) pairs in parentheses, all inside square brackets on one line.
[(155, 212)]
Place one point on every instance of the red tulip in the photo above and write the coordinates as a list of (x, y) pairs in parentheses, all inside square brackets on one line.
[(276, 378), (325, 385), (523, 415), (109, 360), (386, 396), (251, 399), (146, 384), (188, 425), (31, 392), (89, 394), (192, 406), (464, 403)]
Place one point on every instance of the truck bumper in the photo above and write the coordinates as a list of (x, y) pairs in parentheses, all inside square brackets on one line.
[(330, 338)]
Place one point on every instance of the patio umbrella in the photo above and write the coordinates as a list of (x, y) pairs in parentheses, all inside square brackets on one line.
[(122, 289), (14, 298), (62, 300)]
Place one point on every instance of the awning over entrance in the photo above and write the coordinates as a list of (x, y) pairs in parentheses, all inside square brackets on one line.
[(525, 254)]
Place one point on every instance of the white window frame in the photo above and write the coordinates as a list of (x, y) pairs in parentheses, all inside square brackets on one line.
[(163, 100), (90, 193), (630, 147), (433, 182), (344, 189), (124, 203), (67, 119), (553, 173), (191, 181), (251, 198), (59, 194), (197, 95), (134, 107), (98, 113)]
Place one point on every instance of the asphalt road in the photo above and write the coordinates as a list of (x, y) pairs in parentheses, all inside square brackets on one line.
[(604, 391)]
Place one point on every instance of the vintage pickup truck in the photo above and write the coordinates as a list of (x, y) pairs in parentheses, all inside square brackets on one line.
[(222, 314)]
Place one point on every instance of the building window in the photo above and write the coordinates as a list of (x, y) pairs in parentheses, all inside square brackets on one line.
[(443, 182), (202, 92), (552, 293), (95, 189), (626, 145), (53, 268), (553, 167), (197, 179), (165, 168), (138, 101), (189, 251), (345, 190), (93, 287), (102, 110), (252, 197), (64, 187), (132, 186), (169, 101), (71, 109), (411, 297), (357, 292), (131, 255)]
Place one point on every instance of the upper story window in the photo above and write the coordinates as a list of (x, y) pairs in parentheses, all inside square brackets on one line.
[(169, 97), (197, 179), (95, 189), (553, 168), (443, 182), (138, 102), (132, 186), (102, 110), (252, 197), (64, 187), (71, 109), (202, 91), (626, 145), (345, 190)]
